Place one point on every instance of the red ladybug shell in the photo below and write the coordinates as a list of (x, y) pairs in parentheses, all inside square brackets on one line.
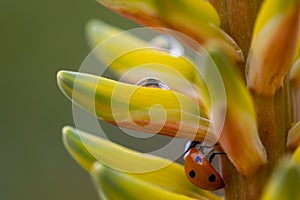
[(200, 172)]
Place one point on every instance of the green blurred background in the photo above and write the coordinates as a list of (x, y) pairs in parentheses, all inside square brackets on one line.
[(38, 38)]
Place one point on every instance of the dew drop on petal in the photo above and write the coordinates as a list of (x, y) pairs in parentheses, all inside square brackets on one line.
[(168, 43), (153, 82)]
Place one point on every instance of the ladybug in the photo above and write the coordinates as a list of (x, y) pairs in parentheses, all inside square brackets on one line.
[(199, 170)]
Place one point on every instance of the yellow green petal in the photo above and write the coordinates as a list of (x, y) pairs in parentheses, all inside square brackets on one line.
[(98, 31), (297, 55), (296, 156), (112, 53), (135, 60), (188, 10), (295, 74), (273, 45), (113, 184), (270, 9), (293, 140), (115, 161), (135, 107), (239, 137), (196, 19), (284, 183)]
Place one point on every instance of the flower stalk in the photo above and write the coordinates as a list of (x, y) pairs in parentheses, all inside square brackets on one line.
[(260, 38), (237, 19), (273, 111)]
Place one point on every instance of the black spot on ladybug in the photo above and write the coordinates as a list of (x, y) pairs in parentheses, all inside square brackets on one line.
[(212, 178), (192, 174)]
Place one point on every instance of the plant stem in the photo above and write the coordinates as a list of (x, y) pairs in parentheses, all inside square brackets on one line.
[(273, 112), (232, 180), (273, 121), (237, 19)]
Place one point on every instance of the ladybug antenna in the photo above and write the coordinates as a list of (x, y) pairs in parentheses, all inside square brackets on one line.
[(212, 156)]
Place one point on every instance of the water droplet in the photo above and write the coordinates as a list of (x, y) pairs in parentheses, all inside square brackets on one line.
[(153, 82), (168, 43)]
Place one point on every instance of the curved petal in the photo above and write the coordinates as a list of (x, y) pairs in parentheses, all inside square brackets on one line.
[(293, 140), (113, 160), (270, 9), (113, 184), (284, 183), (296, 156), (273, 45), (144, 109), (196, 19), (239, 137), (135, 60), (157, 12), (294, 77), (295, 74)]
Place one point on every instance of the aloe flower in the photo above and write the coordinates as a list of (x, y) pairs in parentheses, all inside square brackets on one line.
[(254, 46)]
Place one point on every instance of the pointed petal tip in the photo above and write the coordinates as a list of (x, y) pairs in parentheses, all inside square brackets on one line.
[(67, 133), (63, 74), (96, 167), (65, 82), (271, 54), (293, 139), (75, 146), (93, 22), (68, 130), (62, 77), (95, 25), (59, 77)]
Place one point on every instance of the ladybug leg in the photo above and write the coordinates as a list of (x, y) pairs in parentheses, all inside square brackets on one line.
[(211, 157)]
